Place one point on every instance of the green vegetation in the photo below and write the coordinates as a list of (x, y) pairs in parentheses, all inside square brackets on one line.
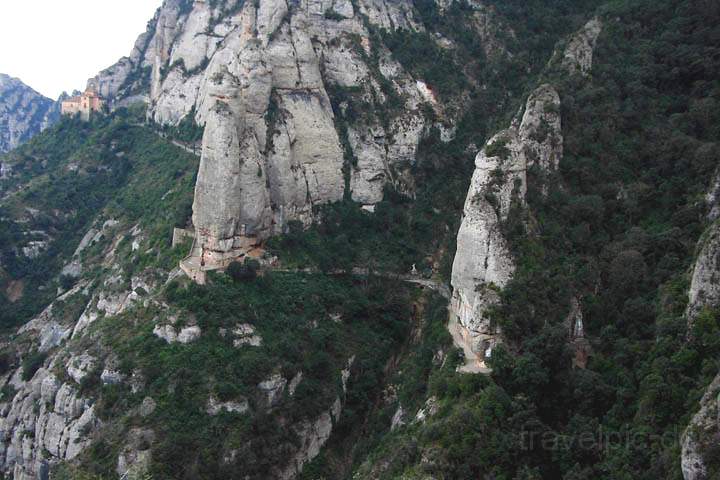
[(75, 172), (31, 364), (331, 14), (498, 149), (390, 240), (418, 376), (618, 231), (420, 53), (243, 272), (312, 324)]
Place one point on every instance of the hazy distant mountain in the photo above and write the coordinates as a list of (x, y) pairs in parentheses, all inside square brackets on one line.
[(23, 112)]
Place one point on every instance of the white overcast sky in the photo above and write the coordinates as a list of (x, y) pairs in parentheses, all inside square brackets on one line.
[(56, 45)]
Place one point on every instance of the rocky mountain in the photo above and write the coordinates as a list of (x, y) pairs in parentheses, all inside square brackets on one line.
[(23, 112), (483, 263), (271, 83), (369, 239)]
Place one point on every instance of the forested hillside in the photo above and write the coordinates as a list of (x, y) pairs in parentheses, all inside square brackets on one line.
[(618, 233)]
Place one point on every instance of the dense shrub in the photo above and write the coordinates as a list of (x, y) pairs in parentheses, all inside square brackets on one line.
[(32, 364), (243, 271)]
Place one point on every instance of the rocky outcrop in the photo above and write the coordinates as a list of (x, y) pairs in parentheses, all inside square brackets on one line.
[(277, 86), (214, 406), (701, 434), (183, 335), (272, 389), (704, 294), (576, 334), (134, 459), (245, 334), (312, 434), (483, 263), (713, 196), (23, 112), (271, 151), (705, 284), (46, 421), (578, 55), (704, 289), (47, 413)]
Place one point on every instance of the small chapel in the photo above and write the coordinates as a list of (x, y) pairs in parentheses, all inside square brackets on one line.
[(87, 102)]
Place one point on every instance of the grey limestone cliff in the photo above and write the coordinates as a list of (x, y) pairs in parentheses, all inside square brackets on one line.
[(259, 76), (578, 55), (701, 435), (483, 264), (704, 295)]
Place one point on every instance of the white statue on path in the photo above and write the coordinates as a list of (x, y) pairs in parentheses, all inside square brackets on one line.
[(414, 270)]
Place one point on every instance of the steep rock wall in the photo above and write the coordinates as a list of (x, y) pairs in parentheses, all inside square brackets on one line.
[(578, 55), (704, 293), (271, 76), (483, 264), (705, 284), (700, 434)]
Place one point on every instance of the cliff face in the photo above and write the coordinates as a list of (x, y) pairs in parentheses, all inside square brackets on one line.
[(704, 287), (47, 412), (578, 55), (701, 435), (704, 296), (23, 112), (483, 264), (258, 77)]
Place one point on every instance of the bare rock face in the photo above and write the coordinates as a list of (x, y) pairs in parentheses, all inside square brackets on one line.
[(483, 264), (44, 422), (214, 406), (273, 389), (170, 334), (576, 334), (578, 55), (713, 196), (271, 151), (702, 431), (23, 112), (312, 435), (134, 458), (262, 78), (705, 284), (704, 293)]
